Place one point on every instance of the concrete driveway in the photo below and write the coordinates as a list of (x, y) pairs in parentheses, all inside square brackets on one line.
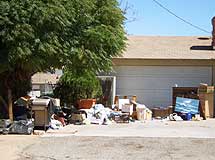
[(156, 128), (144, 141)]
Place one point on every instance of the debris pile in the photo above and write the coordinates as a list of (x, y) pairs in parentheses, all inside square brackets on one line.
[(189, 103)]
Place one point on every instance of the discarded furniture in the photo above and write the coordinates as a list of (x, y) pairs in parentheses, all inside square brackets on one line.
[(187, 92), (187, 105), (206, 96), (204, 93), (184, 92), (162, 112)]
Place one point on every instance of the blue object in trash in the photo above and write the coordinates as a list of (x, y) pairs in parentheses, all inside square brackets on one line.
[(187, 105), (188, 116)]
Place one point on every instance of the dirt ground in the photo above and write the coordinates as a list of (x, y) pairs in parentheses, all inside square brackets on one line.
[(103, 148), (144, 141), (12, 145), (155, 128)]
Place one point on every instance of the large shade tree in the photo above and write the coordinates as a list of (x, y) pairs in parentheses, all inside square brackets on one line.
[(40, 35)]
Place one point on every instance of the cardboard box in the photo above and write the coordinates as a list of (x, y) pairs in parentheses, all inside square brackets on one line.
[(127, 108), (122, 102), (207, 104), (162, 112), (77, 117), (206, 89)]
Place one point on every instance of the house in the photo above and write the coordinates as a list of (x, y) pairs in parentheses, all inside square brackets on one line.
[(43, 83), (152, 65)]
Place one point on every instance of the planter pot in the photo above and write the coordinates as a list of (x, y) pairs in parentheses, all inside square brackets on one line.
[(86, 103)]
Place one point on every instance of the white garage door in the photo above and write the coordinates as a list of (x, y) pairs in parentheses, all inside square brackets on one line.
[(153, 84)]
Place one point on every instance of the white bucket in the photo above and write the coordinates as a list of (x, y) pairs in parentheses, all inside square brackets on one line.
[(57, 102)]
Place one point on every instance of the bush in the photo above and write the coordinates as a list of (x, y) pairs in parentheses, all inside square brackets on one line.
[(73, 86)]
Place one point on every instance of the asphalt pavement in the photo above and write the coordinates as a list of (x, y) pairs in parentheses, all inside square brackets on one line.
[(149, 140)]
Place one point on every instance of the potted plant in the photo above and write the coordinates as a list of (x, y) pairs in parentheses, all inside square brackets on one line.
[(78, 88)]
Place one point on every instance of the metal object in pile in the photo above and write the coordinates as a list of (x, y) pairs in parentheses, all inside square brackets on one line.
[(122, 118)]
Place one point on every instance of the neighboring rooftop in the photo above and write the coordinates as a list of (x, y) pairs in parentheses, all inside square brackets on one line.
[(41, 78), (168, 47)]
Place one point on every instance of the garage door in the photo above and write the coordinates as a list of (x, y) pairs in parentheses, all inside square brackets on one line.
[(153, 84)]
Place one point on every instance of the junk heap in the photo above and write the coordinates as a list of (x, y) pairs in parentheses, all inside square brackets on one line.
[(189, 103)]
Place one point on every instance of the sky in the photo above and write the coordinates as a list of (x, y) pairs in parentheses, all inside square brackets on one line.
[(151, 19)]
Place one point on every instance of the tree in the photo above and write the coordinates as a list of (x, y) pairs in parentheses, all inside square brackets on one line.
[(40, 35), (128, 11)]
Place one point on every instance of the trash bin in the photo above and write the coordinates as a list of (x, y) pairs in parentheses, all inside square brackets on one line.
[(42, 112)]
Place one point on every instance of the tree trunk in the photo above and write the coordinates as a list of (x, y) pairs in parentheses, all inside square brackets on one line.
[(4, 103), (10, 104)]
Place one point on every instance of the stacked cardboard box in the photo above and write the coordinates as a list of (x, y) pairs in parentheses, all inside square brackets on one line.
[(206, 96), (162, 112)]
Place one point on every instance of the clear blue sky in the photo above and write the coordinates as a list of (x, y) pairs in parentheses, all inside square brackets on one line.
[(153, 20)]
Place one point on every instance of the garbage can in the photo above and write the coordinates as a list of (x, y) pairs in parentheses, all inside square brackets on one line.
[(41, 109)]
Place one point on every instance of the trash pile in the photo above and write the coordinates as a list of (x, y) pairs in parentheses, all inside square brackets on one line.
[(185, 109), (98, 114), (46, 113), (17, 127), (124, 111), (189, 104)]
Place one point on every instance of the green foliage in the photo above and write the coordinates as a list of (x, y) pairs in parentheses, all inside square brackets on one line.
[(40, 35), (73, 86)]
